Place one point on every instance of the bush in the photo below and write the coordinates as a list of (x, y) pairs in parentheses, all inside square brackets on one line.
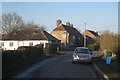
[(109, 41), (11, 56), (50, 48), (95, 46)]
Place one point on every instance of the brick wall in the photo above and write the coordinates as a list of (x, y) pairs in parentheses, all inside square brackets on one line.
[(89, 34), (61, 35)]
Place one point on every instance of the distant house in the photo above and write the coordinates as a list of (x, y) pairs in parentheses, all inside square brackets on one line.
[(68, 35), (90, 36), (26, 37)]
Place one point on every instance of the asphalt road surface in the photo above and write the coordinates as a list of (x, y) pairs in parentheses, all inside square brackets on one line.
[(62, 67)]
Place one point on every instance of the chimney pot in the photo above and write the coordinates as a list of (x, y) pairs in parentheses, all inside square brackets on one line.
[(59, 22), (71, 25), (68, 23)]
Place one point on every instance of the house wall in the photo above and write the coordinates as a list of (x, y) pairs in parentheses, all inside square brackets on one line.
[(78, 40), (71, 40), (61, 35), (17, 44)]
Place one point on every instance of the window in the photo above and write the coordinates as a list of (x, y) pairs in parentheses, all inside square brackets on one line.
[(64, 36), (30, 43), (11, 44), (82, 51), (73, 37), (78, 37), (2, 44)]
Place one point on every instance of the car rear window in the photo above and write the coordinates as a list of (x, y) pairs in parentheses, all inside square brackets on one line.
[(86, 51)]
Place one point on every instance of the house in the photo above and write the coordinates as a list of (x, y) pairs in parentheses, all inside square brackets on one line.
[(68, 35), (91, 36), (26, 37)]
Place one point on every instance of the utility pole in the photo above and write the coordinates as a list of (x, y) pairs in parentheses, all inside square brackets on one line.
[(66, 38), (84, 34)]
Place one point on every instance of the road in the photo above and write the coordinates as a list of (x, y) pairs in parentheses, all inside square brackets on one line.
[(62, 67)]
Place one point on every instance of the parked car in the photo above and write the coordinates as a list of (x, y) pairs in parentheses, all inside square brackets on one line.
[(82, 54)]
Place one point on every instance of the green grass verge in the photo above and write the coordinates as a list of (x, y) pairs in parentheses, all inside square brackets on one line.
[(114, 63)]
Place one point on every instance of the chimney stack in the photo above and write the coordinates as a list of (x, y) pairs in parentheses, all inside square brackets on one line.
[(71, 25), (68, 23), (59, 22)]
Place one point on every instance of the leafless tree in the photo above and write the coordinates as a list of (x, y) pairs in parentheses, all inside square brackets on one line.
[(43, 27), (11, 21), (32, 25)]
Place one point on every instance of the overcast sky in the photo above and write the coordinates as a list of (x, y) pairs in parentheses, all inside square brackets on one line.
[(99, 16)]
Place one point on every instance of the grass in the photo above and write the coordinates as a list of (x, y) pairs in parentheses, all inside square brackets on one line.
[(113, 63), (16, 67)]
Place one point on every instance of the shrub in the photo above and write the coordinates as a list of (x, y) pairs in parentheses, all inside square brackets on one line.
[(109, 41), (50, 48), (95, 46)]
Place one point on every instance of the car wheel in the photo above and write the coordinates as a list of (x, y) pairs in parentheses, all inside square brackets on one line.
[(73, 61)]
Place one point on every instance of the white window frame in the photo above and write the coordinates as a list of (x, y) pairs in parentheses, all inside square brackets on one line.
[(30, 43), (11, 44)]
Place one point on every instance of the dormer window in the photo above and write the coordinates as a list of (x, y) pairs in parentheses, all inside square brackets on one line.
[(15, 33), (35, 31)]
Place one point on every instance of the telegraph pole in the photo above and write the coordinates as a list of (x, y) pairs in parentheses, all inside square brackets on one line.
[(84, 34)]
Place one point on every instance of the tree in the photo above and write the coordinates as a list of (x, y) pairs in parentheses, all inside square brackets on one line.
[(32, 25), (10, 22), (43, 27), (109, 40)]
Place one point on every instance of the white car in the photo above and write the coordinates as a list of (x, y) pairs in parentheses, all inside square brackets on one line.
[(82, 54)]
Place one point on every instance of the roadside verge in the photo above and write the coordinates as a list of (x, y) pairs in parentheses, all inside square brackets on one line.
[(107, 71)]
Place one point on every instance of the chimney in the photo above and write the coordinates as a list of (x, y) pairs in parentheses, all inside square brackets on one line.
[(71, 25), (68, 23), (59, 22)]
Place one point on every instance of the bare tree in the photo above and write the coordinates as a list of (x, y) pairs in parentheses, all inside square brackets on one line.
[(43, 28), (10, 22), (32, 25)]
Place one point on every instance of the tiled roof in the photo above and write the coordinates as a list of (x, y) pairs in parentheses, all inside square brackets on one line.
[(69, 29), (49, 36), (28, 34), (94, 33)]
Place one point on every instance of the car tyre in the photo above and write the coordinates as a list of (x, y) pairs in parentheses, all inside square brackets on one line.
[(73, 62)]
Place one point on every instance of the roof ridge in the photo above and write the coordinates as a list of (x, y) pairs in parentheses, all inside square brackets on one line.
[(44, 35)]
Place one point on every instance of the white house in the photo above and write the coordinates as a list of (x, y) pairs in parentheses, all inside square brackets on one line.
[(26, 37)]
